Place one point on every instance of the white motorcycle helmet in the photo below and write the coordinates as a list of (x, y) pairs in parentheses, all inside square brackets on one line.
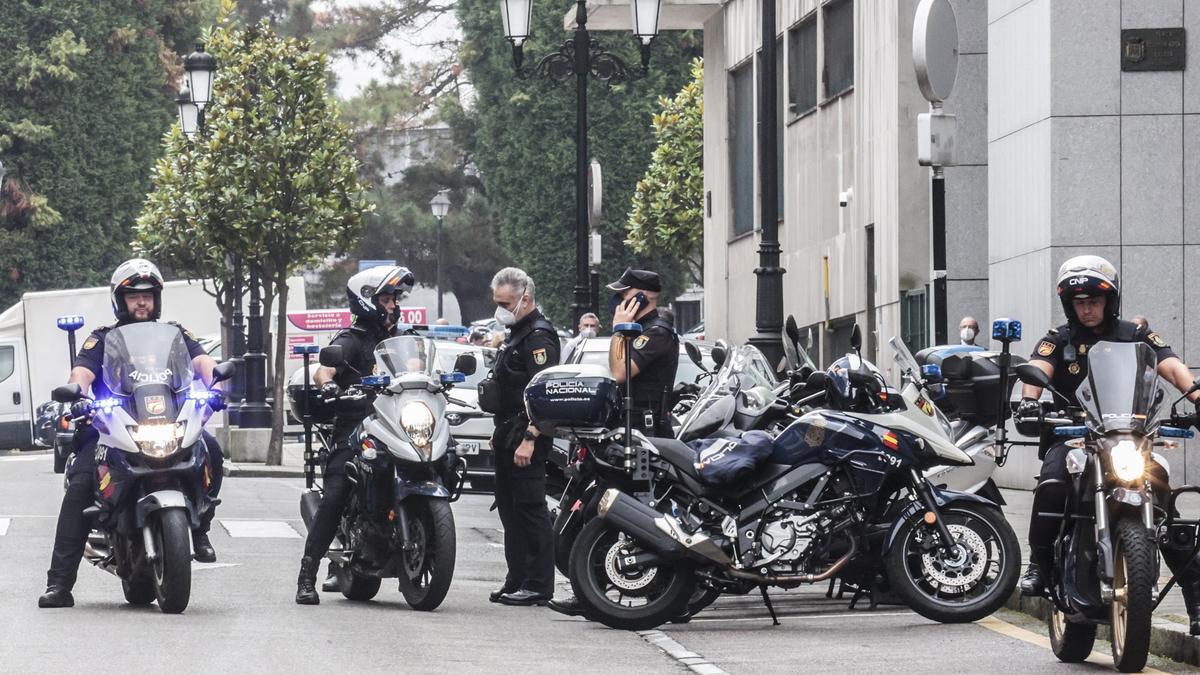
[(363, 291), (1086, 276), (136, 274)]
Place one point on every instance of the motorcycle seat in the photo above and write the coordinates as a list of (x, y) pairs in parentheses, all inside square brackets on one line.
[(677, 453)]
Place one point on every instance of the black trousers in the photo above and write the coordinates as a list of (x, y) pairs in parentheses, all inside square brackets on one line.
[(335, 496), (521, 502), (72, 529), (1050, 498)]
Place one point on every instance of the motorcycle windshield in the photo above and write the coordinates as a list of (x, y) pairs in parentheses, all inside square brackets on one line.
[(403, 355), (1121, 391), (744, 368), (146, 353)]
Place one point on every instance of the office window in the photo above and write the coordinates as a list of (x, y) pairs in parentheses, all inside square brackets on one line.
[(914, 319), (741, 147), (839, 46), (802, 67)]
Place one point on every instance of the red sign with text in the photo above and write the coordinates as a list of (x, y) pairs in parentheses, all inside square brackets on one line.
[(317, 320), (294, 340)]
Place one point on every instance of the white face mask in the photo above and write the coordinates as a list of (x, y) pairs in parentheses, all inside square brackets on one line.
[(967, 334), (506, 317), (587, 333)]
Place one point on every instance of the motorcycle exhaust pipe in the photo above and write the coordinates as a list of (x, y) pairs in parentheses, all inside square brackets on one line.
[(660, 532)]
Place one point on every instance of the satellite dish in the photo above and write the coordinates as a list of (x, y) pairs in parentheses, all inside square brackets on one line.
[(935, 49)]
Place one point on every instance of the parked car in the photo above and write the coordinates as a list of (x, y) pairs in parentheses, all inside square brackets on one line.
[(470, 427)]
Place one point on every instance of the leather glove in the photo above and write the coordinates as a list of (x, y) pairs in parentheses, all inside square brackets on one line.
[(330, 390), (217, 401), (1029, 407), (81, 408)]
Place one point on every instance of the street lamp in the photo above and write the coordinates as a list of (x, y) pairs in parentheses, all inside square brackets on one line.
[(200, 67), (440, 205), (580, 57), (189, 113)]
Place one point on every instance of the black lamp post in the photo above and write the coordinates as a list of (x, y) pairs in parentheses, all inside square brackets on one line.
[(440, 205), (1, 177), (580, 57)]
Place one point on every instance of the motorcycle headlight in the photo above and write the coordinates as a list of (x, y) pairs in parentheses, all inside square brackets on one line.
[(158, 440), (417, 420), (1128, 460)]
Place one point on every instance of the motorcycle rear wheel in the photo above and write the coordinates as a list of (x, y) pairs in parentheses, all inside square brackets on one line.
[(1071, 642), (1135, 562), (638, 600), (173, 567), (426, 573)]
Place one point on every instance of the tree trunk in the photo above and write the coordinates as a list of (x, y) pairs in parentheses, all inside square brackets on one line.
[(275, 450)]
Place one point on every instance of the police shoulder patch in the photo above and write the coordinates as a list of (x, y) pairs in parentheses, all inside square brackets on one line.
[(1156, 340), (641, 341), (90, 342), (539, 356), (1046, 348)]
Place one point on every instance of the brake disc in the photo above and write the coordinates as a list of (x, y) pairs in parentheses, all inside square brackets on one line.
[(626, 581), (966, 568)]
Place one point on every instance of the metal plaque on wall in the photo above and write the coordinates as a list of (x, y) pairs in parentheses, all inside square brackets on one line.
[(1145, 49)]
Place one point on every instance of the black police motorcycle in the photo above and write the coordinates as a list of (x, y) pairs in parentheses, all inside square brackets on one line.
[(398, 522), (1105, 569), (153, 473), (841, 496)]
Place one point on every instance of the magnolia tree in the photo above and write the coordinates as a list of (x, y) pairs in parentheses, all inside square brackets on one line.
[(668, 204), (273, 178)]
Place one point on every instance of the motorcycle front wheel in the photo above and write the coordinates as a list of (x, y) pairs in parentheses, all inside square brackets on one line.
[(638, 599), (965, 585), (173, 566), (1135, 562), (426, 571)]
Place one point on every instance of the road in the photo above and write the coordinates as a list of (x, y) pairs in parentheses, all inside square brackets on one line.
[(242, 616)]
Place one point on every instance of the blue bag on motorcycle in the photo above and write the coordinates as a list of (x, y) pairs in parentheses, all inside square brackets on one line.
[(724, 461)]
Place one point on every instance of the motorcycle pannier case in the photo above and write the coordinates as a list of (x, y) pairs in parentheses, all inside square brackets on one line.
[(572, 400), (972, 380), (321, 411)]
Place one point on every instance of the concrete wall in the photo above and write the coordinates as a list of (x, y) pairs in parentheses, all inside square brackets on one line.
[(1085, 158)]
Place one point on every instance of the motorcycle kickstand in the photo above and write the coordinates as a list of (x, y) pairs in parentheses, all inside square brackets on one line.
[(770, 607), (829, 593)]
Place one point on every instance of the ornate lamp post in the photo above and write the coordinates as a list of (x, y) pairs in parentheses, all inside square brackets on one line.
[(440, 205), (580, 57)]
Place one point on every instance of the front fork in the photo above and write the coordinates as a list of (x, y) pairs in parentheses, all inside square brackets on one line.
[(1104, 529), (921, 486)]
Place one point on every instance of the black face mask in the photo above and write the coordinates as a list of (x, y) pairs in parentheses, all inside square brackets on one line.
[(614, 302)]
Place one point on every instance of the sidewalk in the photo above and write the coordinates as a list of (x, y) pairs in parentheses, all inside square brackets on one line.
[(1170, 637), (292, 466)]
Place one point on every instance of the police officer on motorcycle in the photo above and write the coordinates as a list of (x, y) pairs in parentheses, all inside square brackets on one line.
[(373, 295), (135, 290), (1089, 289)]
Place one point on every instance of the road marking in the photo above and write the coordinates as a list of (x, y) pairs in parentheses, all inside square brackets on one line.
[(4, 522), (1016, 632), (807, 617), (33, 458), (694, 662), (200, 567), (490, 543), (260, 529)]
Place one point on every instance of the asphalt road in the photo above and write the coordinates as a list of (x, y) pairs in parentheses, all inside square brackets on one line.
[(242, 617)]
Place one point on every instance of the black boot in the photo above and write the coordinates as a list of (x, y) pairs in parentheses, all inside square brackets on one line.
[(1191, 600), (1033, 583), (55, 597), (332, 584), (203, 547), (306, 583)]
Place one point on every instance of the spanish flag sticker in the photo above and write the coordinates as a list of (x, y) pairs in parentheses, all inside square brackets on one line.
[(890, 440)]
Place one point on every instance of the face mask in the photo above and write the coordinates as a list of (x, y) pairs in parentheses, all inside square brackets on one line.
[(587, 333), (507, 318), (967, 334)]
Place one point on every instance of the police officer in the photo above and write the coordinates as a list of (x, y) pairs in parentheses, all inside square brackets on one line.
[(521, 451), (373, 294), (654, 360), (1089, 290), (135, 290)]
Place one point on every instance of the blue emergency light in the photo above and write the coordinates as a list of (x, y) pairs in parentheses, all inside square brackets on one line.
[(448, 331), (376, 381), (306, 349), (1006, 330), (70, 322), (453, 378)]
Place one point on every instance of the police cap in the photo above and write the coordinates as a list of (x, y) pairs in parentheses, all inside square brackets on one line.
[(644, 280)]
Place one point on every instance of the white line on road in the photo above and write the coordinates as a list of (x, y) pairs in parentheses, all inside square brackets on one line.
[(694, 662), (1016, 632), (808, 617), (200, 567), (20, 458), (260, 529), (495, 545), (4, 522)]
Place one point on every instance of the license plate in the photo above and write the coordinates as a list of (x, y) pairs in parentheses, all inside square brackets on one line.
[(468, 448)]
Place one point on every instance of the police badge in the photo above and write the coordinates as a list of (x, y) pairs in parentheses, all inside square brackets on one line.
[(641, 341), (1073, 368), (155, 405), (539, 356), (1046, 348)]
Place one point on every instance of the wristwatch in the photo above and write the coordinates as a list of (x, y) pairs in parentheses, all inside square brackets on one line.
[(529, 435)]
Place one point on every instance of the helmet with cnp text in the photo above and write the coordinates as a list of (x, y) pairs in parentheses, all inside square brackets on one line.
[(1089, 276), (844, 391), (136, 274), (363, 290)]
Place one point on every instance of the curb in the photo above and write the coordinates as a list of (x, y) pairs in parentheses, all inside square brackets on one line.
[(1167, 638)]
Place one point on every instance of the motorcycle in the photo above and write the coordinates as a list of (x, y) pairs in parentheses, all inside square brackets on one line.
[(398, 522), (153, 473), (840, 496), (1105, 569)]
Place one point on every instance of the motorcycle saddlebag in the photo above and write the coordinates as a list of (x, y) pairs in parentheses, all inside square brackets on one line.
[(571, 400), (727, 461)]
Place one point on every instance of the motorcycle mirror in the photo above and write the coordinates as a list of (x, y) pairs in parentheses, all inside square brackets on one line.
[(66, 393), (465, 364), (1032, 375), (718, 355), (792, 330), (693, 353), (856, 338), (224, 371), (816, 380), (331, 356)]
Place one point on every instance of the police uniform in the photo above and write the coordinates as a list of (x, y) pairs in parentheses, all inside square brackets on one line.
[(358, 353), (532, 346), (655, 353), (72, 530)]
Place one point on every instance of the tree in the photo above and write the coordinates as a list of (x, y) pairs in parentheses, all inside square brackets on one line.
[(668, 204), (521, 135), (86, 90), (274, 179)]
